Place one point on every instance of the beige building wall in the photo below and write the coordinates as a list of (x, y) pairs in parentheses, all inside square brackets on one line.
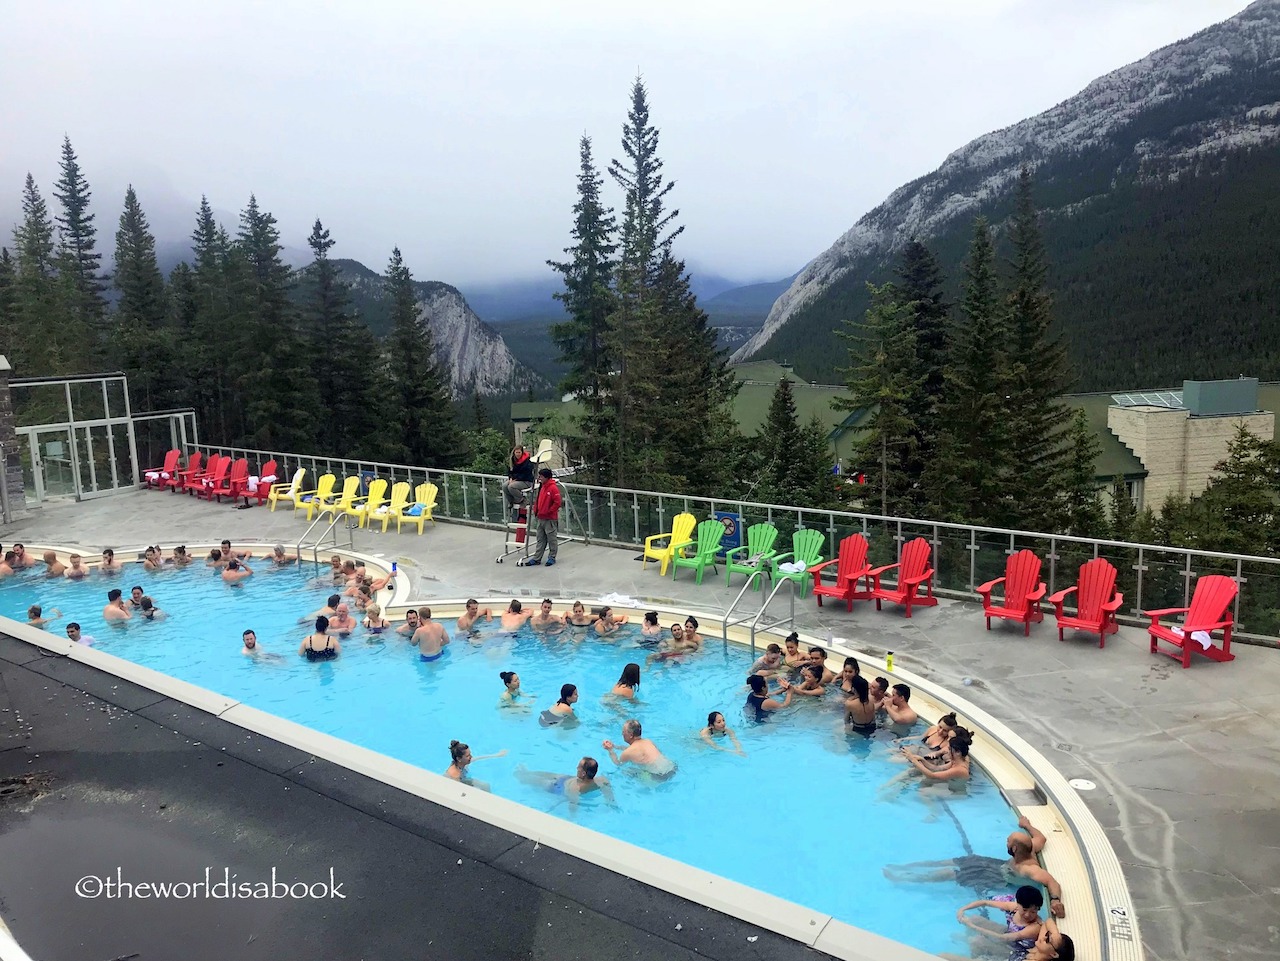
[(1180, 451)]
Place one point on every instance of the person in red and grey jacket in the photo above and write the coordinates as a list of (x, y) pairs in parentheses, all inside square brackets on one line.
[(546, 509), (519, 479)]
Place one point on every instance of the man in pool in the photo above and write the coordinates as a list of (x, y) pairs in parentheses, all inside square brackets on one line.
[(342, 623), (52, 566), (544, 621), (410, 623), (77, 569), (899, 711), (73, 632), (330, 608), (21, 558), (109, 564), (250, 648), (986, 875), (770, 665), (818, 658), (6, 565), (641, 752), (115, 609), (514, 616), (236, 572), (473, 614), (228, 552), (571, 786), (430, 637)]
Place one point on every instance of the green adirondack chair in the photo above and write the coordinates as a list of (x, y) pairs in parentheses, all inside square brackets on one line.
[(806, 547), (700, 551), (754, 556)]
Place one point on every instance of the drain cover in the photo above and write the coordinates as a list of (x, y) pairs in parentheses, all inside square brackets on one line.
[(1080, 784), (24, 788)]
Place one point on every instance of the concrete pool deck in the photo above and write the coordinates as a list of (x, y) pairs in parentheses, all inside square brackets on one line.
[(1185, 761)]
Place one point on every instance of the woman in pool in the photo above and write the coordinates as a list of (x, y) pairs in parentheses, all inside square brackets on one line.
[(608, 624), (810, 681), (844, 682), (374, 622), (461, 755), (692, 639), (956, 770), (561, 710), (180, 556), (579, 617), (320, 646), (718, 730), (934, 739), (628, 683), (650, 630), (759, 703), (147, 608), (511, 695), (859, 709), (793, 657), (152, 560)]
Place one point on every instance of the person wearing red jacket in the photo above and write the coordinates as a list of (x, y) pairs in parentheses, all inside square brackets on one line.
[(546, 509)]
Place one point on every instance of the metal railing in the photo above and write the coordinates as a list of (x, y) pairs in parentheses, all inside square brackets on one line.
[(319, 541), (964, 556), (729, 620)]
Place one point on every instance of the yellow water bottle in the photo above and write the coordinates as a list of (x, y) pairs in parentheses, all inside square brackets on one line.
[(888, 661)]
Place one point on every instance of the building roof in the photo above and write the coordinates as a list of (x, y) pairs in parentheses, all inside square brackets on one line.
[(765, 372)]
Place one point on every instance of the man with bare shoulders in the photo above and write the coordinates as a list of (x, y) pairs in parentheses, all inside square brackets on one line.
[(77, 569), (330, 608), (342, 623), (228, 552), (544, 621), (641, 752), (410, 624), (514, 616), (472, 614), (52, 566), (115, 609), (6, 565), (109, 563), (897, 706), (818, 659), (22, 558), (430, 637), (236, 571)]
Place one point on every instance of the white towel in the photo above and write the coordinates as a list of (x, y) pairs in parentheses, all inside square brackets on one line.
[(253, 484), (619, 600), (1200, 637), (793, 567)]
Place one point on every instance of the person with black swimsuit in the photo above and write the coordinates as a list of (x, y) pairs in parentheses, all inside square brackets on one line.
[(309, 648), (860, 710), (759, 704)]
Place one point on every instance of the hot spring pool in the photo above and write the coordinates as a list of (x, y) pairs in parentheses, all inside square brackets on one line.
[(803, 816)]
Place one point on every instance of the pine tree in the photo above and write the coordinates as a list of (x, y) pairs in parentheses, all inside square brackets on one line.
[(78, 260), (1082, 508), (47, 339), (965, 481), (203, 323), (418, 383), (884, 378), (813, 467), (1239, 511), (142, 346), (778, 441), (8, 300), (1124, 513), (1039, 424), (479, 411), (920, 290), (588, 299)]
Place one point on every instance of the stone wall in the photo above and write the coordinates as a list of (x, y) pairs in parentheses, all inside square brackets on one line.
[(10, 463)]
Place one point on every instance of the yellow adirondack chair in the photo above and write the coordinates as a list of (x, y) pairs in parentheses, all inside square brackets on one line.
[(424, 502), (681, 530), (287, 492), (310, 501), (365, 507), (399, 501), (345, 501)]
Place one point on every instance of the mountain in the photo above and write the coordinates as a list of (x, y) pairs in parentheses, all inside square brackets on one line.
[(738, 313), (474, 352), (1160, 216)]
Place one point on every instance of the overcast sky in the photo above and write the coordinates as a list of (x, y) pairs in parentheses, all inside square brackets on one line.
[(451, 130)]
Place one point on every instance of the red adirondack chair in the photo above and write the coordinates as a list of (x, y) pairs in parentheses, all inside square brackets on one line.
[(227, 484), (1023, 591), (195, 482), (1210, 611), (179, 479), (1097, 601), (266, 478), (851, 567), (156, 477), (913, 570)]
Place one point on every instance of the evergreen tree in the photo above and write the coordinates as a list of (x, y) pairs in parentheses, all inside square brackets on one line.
[(78, 260), (885, 379), (1082, 508), (813, 467), (920, 290), (1124, 513), (8, 300), (479, 412), (142, 346), (418, 383), (47, 340), (965, 481), (1239, 511), (779, 442), (204, 317), (1039, 424), (588, 299)]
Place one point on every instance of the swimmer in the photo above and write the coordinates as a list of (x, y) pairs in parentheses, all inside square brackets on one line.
[(770, 663), (793, 657), (545, 622), (319, 646), (461, 755), (335, 568), (150, 562), (760, 704), (692, 639), (364, 597), (717, 728), (329, 610), (34, 618), (180, 556), (373, 621), (250, 639), (572, 786), (628, 683), (879, 692), (578, 616), (512, 694), (376, 583), (73, 632), (349, 572), (472, 614), (956, 769), (147, 609), (215, 560), (514, 616), (236, 571), (650, 628), (1052, 944), (936, 737), (115, 609), (899, 711), (229, 554), (641, 752), (430, 637), (342, 623), (607, 624), (135, 598), (109, 564), (7, 565), (859, 709), (1018, 933), (410, 624), (675, 648), (21, 559), (810, 681), (52, 566), (562, 709), (279, 558), (844, 681), (818, 657), (77, 570)]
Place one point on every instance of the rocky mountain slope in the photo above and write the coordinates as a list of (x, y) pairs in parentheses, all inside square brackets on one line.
[(474, 352), (1145, 177)]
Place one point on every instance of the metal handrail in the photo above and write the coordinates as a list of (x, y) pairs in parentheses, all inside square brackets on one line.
[(315, 548), (789, 620), (728, 622)]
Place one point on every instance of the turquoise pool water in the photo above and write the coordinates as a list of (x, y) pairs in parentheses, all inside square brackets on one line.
[(804, 815)]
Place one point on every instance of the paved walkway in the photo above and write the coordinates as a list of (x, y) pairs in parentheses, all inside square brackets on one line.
[(1187, 763)]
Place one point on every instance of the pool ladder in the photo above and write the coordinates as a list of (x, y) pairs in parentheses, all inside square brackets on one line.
[(731, 621), (331, 529)]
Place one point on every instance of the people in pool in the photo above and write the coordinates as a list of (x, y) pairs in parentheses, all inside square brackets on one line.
[(650, 628), (770, 663), (641, 752), (717, 730), (879, 692), (148, 611), (692, 639), (21, 559), (628, 683), (230, 553), (936, 738), (342, 623), (115, 609), (586, 780), (36, 620), (135, 598), (279, 558), (1017, 934), (793, 657), (76, 570), (859, 709), (319, 646), (151, 561), (953, 767), (410, 623), (6, 565), (760, 703), (74, 633), (250, 640), (607, 624), (844, 680), (514, 616), (818, 657), (512, 695), (52, 566), (215, 560), (897, 707), (363, 597), (578, 616), (676, 647), (472, 614), (373, 621), (329, 610), (109, 563), (236, 571), (562, 709), (180, 556), (546, 622), (462, 759), (810, 682), (430, 637)]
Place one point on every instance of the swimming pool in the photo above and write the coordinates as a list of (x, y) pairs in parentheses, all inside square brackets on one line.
[(802, 816)]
